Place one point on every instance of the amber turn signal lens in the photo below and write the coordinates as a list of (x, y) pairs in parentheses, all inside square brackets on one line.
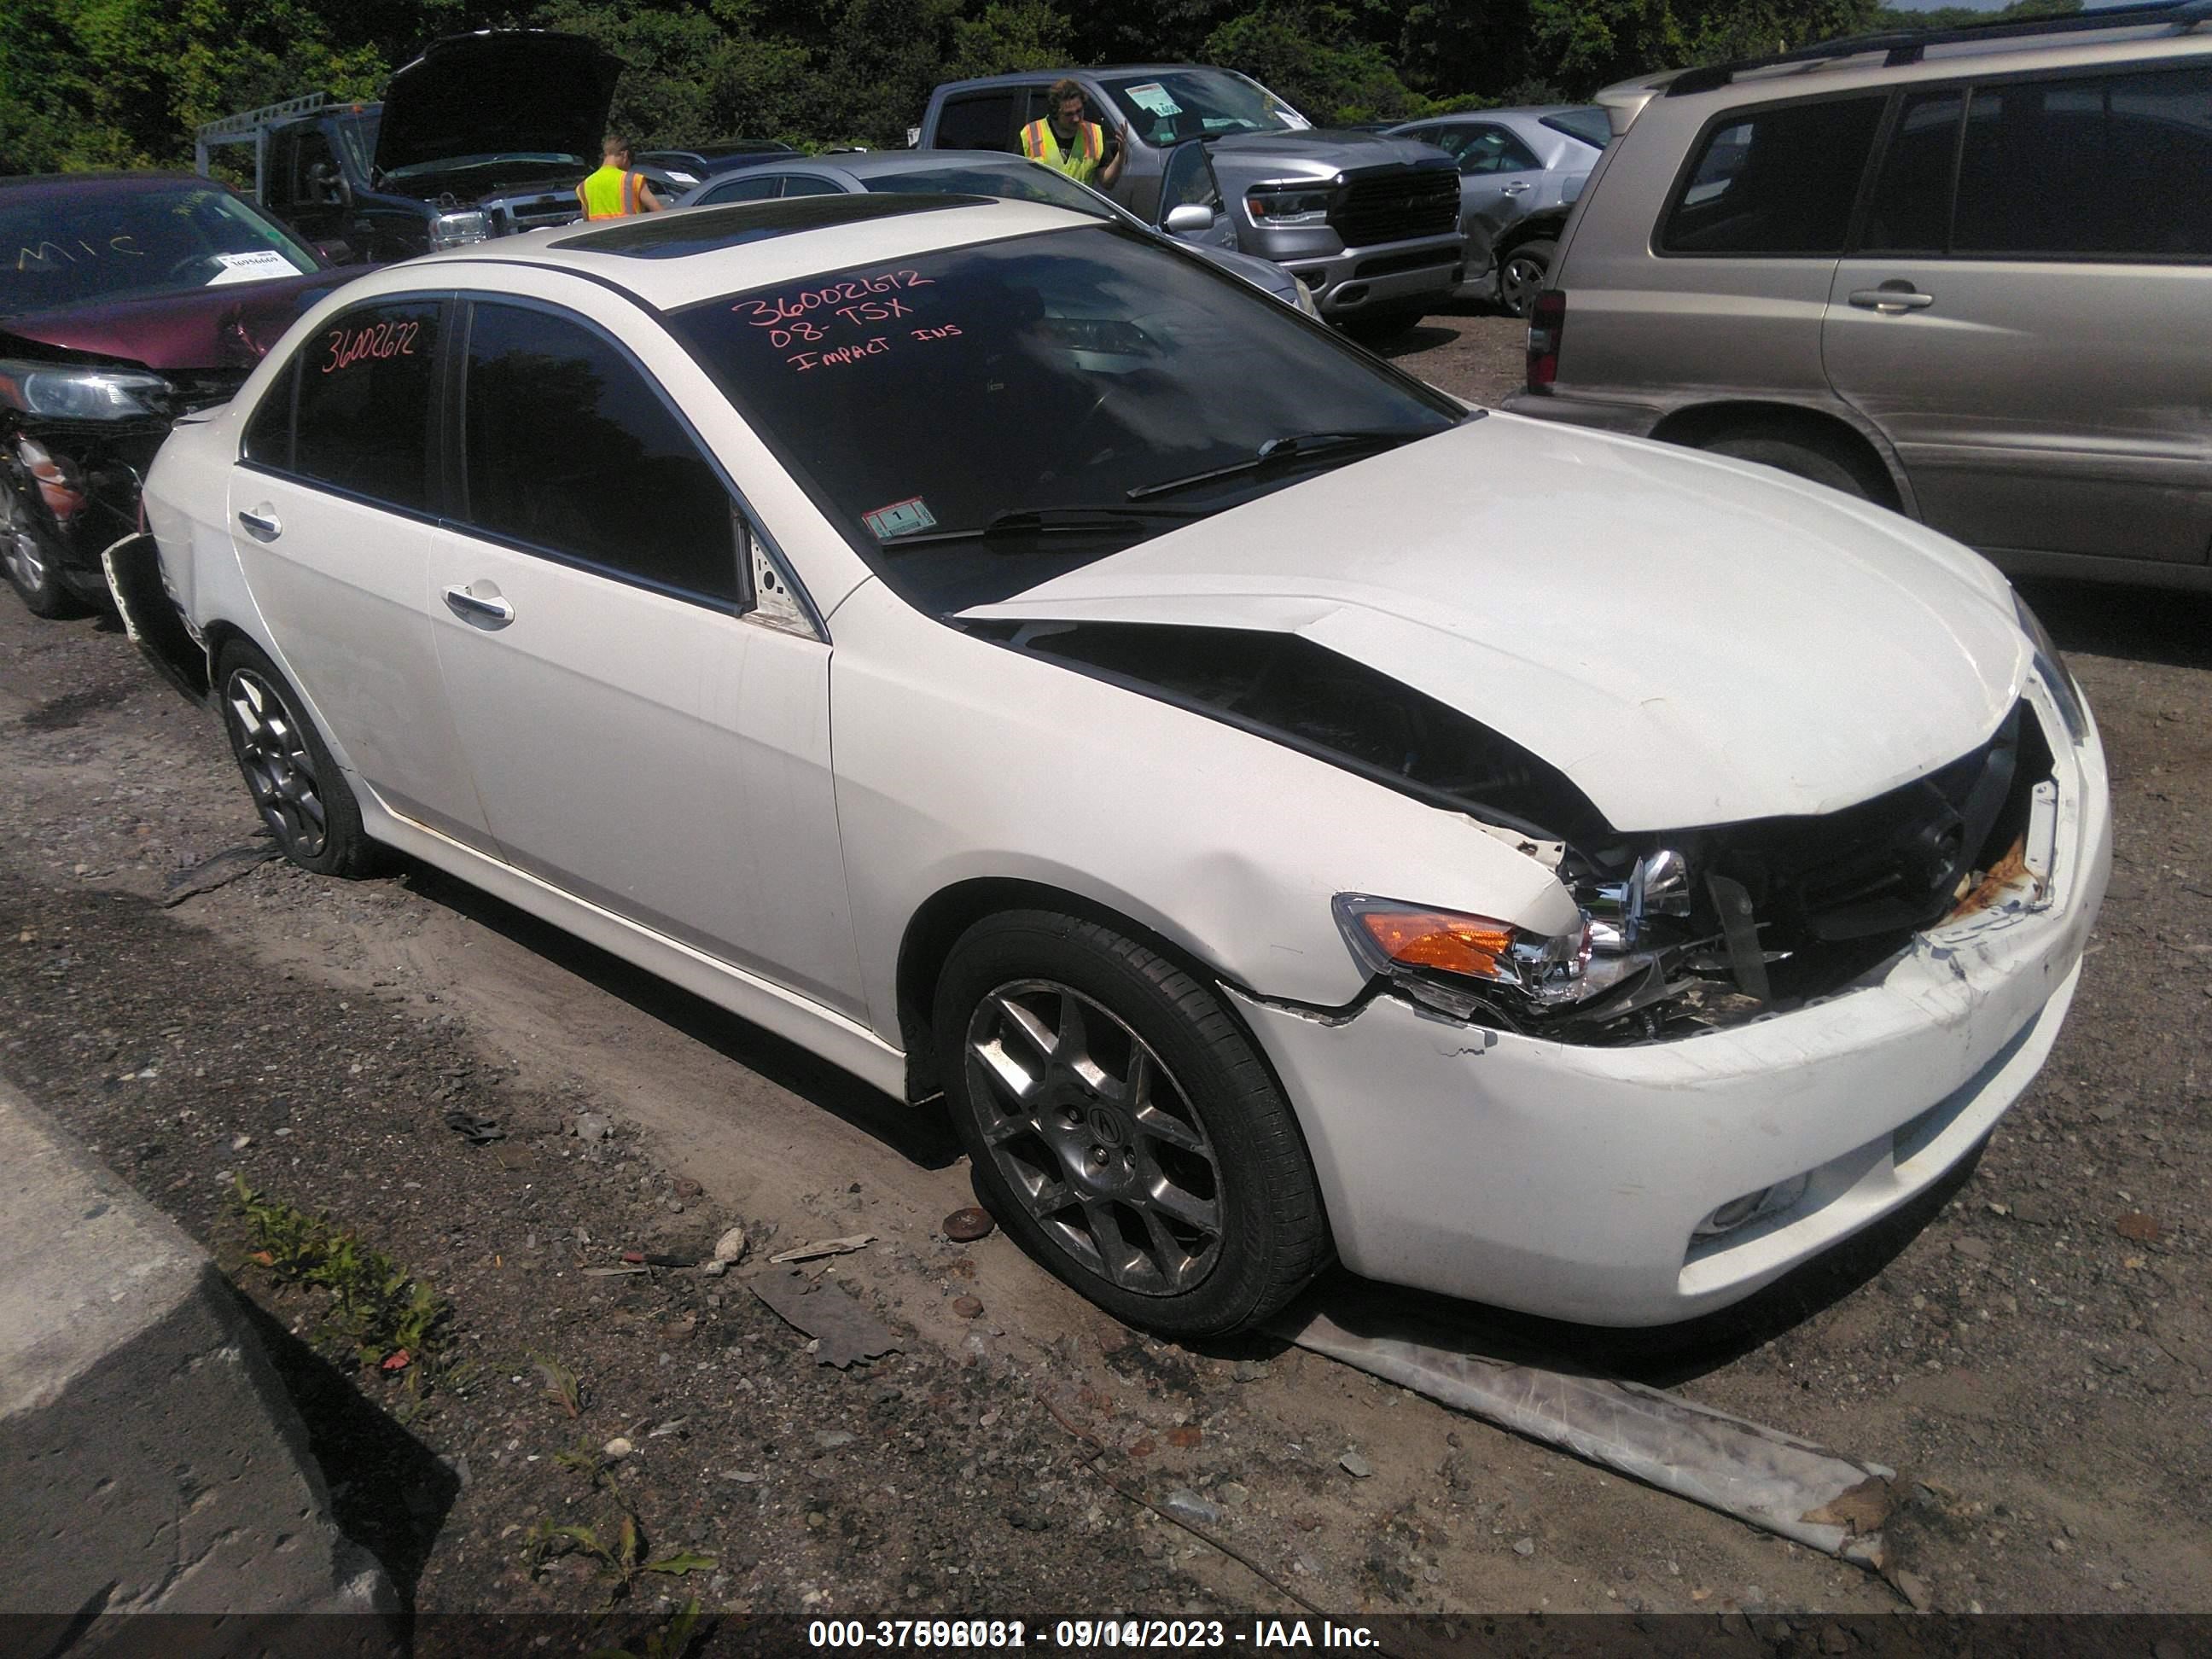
[(1449, 943)]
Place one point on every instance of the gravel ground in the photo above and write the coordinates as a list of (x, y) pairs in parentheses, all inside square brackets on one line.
[(2031, 1349)]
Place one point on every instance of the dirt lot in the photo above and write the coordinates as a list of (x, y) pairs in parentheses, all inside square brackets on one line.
[(2039, 1372)]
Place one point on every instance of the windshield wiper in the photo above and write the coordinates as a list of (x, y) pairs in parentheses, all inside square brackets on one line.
[(1046, 521), (1299, 446)]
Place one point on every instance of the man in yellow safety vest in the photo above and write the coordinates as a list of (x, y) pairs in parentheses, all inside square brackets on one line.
[(1077, 147), (614, 192)]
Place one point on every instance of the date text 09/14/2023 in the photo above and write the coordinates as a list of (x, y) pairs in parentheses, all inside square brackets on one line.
[(1088, 1635)]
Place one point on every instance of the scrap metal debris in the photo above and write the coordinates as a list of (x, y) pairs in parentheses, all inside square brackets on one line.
[(825, 1247), (844, 1331), (477, 1130), (224, 867), (1773, 1480), (966, 1226)]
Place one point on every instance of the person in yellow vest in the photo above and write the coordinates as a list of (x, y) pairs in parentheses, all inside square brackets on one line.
[(1077, 147), (614, 192)]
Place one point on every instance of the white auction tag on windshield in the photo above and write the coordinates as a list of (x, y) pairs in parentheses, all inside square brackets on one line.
[(254, 267), (1154, 97)]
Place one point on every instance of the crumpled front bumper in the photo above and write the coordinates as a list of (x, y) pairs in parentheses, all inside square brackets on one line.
[(1566, 1180)]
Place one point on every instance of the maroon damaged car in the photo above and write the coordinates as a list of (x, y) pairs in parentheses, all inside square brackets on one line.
[(126, 299)]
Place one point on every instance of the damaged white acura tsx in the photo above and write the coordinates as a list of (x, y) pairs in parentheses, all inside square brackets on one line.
[(1288, 814)]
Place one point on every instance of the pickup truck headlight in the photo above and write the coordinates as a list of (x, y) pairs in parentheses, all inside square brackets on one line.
[(61, 392), (458, 229), (1281, 208)]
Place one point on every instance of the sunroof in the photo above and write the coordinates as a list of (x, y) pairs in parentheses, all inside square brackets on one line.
[(702, 230)]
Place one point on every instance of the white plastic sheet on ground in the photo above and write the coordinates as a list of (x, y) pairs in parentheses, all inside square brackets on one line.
[(1771, 1480)]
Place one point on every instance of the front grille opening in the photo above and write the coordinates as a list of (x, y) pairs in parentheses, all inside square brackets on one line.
[(1396, 207)]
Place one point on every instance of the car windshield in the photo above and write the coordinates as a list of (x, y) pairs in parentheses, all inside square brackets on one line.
[(1014, 406), (1174, 105), (61, 247), (1591, 125), (1024, 181), (358, 130)]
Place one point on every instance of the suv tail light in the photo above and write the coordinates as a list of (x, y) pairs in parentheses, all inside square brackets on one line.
[(1548, 324)]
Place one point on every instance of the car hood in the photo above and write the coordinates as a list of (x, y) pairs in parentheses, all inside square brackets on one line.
[(1691, 641), (1324, 150), (508, 92), (229, 325)]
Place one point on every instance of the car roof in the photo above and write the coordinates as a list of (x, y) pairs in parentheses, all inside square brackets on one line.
[(878, 164), (108, 183), (2149, 30), (668, 260), (1089, 71)]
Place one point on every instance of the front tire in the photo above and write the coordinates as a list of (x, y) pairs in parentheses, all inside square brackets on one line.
[(296, 786), (1121, 1128), (32, 563)]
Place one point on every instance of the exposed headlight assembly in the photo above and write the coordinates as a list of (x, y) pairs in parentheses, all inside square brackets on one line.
[(2054, 672), (459, 229), (61, 392)]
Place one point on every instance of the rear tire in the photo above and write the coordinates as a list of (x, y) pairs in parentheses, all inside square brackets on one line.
[(1803, 456), (297, 787), (1122, 1129), (1523, 273)]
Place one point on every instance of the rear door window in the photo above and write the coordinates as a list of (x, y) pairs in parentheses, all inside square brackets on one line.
[(1910, 209), (571, 450), (1775, 181), (2102, 166), (977, 120), (368, 381)]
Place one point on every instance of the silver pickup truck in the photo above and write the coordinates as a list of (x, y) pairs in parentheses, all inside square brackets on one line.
[(1369, 224)]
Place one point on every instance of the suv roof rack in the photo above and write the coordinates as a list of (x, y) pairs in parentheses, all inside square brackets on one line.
[(1907, 46)]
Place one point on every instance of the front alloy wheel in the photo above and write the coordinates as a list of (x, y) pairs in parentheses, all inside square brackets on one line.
[(31, 567), (1120, 1126), (1095, 1137)]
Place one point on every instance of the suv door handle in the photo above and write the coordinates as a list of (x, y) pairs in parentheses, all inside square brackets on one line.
[(263, 526), (1518, 187), (1892, 299), (480, 613)]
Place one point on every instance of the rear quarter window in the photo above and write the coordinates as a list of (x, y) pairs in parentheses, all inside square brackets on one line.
[(1774, 181)]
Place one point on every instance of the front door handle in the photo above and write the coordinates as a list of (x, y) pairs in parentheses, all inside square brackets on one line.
[(1892, 299), (479, 612), (1518, 187), (263, 526)]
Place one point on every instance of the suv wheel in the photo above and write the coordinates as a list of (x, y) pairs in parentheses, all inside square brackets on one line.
[(1524, 273), (1803, 456), (1122, 1129), (296, 786)]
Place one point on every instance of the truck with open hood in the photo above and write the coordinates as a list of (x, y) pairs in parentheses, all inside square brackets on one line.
[(484, 135)]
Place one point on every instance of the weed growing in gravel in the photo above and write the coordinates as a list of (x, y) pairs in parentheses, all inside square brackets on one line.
[(562, 1386), (622, 1558), (392, 1322)]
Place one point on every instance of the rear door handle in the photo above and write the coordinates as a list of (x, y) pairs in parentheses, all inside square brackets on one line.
[(263, 526), (481, 613), (1892, 299), (1518, 187)]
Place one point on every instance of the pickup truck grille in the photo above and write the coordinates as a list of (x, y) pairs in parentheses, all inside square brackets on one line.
[(513, 214), (1392, 207)]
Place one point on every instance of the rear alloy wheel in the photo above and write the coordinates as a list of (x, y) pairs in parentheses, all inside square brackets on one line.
[(1523, 275), (1122, 1128), (34, 569), (296, 786)]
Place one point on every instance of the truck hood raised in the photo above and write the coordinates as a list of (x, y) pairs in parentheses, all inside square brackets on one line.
[(1693, 641), (511, 92)]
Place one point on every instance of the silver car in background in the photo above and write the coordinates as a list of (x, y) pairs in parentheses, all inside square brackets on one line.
[(969, 172), (1520, 171), (1965, 275)]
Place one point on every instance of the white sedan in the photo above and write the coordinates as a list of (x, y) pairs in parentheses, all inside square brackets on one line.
[(1287, 814)]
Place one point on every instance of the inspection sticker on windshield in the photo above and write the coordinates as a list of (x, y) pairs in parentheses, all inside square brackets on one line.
[(900, 518), (251, 267), (1154, 97)]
